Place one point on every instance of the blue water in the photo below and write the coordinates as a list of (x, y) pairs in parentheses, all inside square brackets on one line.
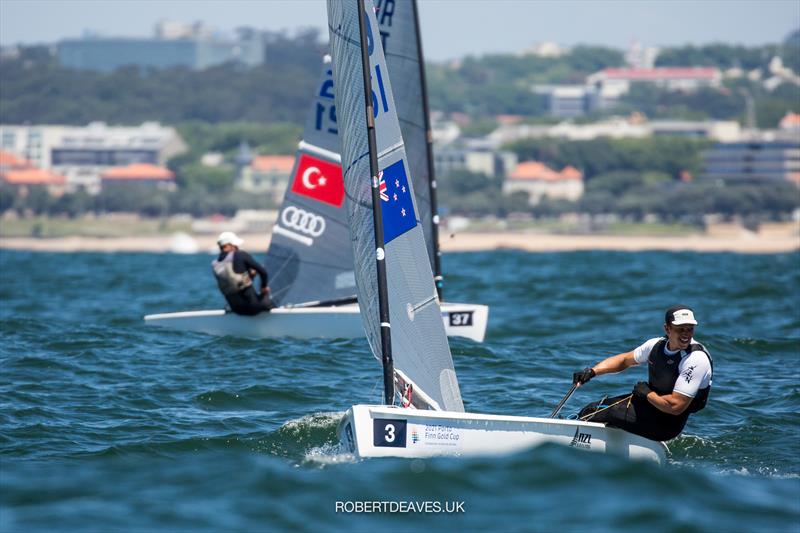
[(106, 424)]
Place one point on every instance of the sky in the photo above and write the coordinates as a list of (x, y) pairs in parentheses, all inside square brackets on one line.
[(450, 28)]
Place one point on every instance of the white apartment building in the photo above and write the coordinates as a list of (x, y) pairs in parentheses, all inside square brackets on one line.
[(618, 128), (491, 163), (83, 153), (611, 83)]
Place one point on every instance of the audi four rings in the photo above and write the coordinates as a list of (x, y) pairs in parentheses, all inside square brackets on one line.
[(303, 221)]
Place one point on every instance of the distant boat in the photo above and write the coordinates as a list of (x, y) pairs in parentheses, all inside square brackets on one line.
[(310, 260), (423, 413), (183, 243)]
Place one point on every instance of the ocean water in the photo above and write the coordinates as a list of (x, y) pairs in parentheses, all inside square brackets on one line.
[(109, 425)]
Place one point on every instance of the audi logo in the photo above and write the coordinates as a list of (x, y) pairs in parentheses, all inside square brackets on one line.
[(303, 221)]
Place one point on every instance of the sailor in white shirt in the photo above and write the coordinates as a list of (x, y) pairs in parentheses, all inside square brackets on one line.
[(679, 381)]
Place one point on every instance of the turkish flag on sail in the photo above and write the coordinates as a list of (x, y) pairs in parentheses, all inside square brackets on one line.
[(319, 180)]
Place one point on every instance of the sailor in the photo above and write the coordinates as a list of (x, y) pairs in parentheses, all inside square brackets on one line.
[(235, 270), (679, 381)]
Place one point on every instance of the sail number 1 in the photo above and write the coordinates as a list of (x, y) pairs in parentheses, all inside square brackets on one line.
[(376, 75), (389, 433)]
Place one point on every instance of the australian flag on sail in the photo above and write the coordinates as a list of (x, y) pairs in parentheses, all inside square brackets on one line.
[(397, 206)]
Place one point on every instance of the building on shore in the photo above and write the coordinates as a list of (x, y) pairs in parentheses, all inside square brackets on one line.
[(25, 177), (538, 181), (174, 44), (603, 90), (480, 160), (138, 175), (266, 174), (611, 83), (83, 154), (757, 160), (567, 101), (618, 128)]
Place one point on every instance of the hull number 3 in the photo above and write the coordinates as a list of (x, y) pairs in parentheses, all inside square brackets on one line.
[(389, 433)]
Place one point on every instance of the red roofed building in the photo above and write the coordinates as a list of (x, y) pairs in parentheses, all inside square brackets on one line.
[(83, 153), (267, 174), (790, 122), (139, 173), (273, 163), (611, 83), (20, 173), (538, 180), (33, 176), (676, 78), (9, 161)]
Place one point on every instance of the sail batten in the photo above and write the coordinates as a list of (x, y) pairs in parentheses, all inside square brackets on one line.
[(418, 340), (308, 147)]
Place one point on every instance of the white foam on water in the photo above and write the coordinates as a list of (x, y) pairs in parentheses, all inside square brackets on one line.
[(329, 454), (313, 421)]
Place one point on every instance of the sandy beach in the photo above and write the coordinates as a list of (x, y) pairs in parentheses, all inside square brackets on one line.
[(769, 240)]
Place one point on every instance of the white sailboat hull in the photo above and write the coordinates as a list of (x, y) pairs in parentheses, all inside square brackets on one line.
[(344, 321), (386, 431)]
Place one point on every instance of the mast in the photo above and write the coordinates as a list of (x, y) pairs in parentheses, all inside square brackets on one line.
[(377, 217), (437, 254)]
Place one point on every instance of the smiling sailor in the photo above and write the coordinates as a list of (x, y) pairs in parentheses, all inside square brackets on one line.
[(679, 381)]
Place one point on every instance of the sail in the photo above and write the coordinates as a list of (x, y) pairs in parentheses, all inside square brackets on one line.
[(400, 39), (309, 257), (419, 344)]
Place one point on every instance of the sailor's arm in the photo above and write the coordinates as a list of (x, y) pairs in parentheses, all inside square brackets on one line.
[(687, 386), (610, 365), (673, 403), (614, 364), (251, 264)]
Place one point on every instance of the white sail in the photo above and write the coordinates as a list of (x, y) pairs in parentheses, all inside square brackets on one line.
[(401, 44), (419, 344)]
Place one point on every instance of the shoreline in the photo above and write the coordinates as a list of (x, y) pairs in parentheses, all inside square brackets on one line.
[(738, 242)]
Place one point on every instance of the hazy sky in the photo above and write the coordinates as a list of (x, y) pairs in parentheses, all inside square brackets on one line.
[(450, 28)]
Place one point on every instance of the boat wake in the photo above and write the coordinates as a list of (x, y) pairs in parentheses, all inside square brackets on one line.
[(311, 439)]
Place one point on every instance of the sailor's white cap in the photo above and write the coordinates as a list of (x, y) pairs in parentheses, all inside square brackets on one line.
[(229, 237), (679, 315)]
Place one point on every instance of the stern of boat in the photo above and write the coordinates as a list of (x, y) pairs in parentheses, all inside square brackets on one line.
[(465, 320)]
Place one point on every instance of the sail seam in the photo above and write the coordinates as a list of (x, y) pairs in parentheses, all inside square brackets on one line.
[(389, 150)]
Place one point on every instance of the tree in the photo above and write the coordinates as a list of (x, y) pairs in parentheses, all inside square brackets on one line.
[(8, 196), (615, 183), (214, 180), (461, 182), (73, 205)]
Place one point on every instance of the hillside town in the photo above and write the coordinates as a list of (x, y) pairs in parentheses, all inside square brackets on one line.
[(496, 165)]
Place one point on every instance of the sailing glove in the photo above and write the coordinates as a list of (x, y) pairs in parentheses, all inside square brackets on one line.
[(642, 389), (579, 378)]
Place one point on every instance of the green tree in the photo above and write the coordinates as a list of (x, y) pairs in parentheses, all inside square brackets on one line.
[(73, 204), (666, 155), (214, 180), (461, 182), (8, 196), (615, 183)]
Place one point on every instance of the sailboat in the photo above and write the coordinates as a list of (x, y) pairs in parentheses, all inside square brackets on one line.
[(309, 260), (422, 412)]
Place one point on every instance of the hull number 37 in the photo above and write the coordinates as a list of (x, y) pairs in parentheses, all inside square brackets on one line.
[(463, 318)]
